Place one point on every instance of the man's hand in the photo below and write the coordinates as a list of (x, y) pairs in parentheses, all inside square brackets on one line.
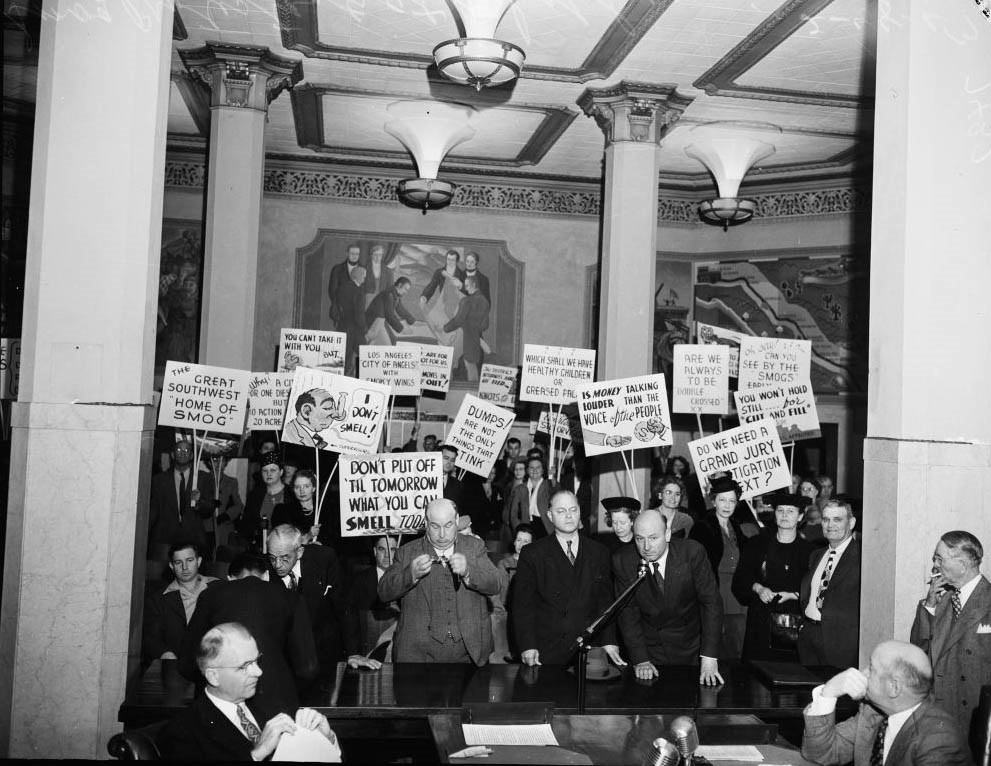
[(314, 532), (709, 673), (194, 497), (765, 594), (850, 682), (646, 671), (531, 657), (613, 652), (618, 440), (459, 564), (271, 734), (420, 566), (937, 587), (360, 661), (308, 718)]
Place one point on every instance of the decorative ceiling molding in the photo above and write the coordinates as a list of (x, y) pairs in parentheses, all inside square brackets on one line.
[(307, 107), (775, 29), (299, 28), (509, 198)]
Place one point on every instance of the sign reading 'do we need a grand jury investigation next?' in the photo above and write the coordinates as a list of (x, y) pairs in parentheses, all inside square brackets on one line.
[(201, 397), (752, 452), (388, 494)]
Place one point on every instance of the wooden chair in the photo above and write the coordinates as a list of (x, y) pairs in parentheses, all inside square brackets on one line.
[(136, 744)]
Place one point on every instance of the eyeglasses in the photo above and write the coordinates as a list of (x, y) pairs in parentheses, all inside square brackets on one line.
[(242, 668), (285, 558)]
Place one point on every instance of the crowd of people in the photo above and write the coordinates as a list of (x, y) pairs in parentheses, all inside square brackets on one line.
[(511, 568)]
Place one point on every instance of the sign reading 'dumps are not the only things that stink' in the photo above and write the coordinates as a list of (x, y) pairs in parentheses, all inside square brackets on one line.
[(497, 384), (204, 398), (268, 394), (629, 413), (316, 349), (751, 453), (334, 412), (701, 379), (388, 494), (435, 366), (397, 367), (773, 361), (792, 407), (552, 374), (479, 431)]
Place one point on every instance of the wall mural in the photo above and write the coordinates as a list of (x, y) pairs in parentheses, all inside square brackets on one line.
[(177, 332), (822, 299), (480, 318)]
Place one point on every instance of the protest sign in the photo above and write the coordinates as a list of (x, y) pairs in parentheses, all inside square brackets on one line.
[(316, 349), (701, 379), (209, 398), (497, 384), (792, 407), (268, 394), (773, 361), (710, 334), (10, 367), (478, 432), (563, 427), (552, 374), (334, 412), (629, 413), (753, 454), (397, 367), (388, 494), (435, 366)]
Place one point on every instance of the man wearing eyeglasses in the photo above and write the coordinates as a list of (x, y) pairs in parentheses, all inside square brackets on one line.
[(562, 584), (311, 573), (227, 722)]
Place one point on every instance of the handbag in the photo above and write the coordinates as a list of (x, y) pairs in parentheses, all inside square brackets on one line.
[(784, 630)]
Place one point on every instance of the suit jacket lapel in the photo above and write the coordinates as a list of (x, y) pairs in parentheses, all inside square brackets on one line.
[(976, 607), (227, 736), (906, 735), (174, 602)]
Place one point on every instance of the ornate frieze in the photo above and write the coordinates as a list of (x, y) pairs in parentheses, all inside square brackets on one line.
[(242, 76)]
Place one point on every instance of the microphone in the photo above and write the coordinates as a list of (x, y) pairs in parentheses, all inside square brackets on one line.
[(685, 736)]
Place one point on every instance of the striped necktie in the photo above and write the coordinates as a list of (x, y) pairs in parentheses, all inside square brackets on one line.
[(877, 751), (571, 554), (250, 730), (826, 574), (955, 602)]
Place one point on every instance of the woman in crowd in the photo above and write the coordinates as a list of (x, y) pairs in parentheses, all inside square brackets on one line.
[(518, 478), (812, 527), (621, 512), (720, 534), (262, 500), (667, 494), (499, 615), (692, 499), (300, 509), (768, 579)]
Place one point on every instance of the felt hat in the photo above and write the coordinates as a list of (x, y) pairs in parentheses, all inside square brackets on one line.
[(599, 668), (786, 498), (621, 504), (725, 484), (270, 458)]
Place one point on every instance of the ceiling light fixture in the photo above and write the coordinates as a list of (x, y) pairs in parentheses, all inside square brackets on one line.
[(478, 59), (728, 150), (429, 130)]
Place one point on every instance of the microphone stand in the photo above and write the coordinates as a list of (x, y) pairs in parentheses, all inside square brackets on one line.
[(583, 643)]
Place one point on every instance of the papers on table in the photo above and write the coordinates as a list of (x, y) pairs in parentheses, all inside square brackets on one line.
[(747, 753), (511, 734), (307, 745)]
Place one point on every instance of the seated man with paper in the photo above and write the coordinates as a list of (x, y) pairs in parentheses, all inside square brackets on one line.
[(226, 723)]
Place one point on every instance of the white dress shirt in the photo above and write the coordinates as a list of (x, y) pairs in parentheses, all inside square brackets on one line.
[(563, 542), (811, 610), (229, 709), (825, 705)]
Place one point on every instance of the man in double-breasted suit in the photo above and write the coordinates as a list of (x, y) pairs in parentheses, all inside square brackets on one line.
[(562, 584), (830, 594), (675, 616), (959, 647), (441, 582), (900, 726)]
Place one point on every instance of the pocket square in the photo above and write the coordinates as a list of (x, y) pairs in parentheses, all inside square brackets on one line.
[(982, 628)]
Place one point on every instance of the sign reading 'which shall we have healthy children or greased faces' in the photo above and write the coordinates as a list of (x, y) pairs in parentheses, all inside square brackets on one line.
[(388, 494), (552, 374), (205, 398), (628, 413)]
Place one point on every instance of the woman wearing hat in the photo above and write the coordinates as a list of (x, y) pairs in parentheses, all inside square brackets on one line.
[(721, 536), (620, 515), (768, 580), (261, 501)]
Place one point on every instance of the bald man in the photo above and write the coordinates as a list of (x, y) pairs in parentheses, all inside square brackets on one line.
[(897, 724), (442, 581)]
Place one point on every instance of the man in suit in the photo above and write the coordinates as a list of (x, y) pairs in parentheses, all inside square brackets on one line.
[(339, 276), (369, 618), (442, 582), (386, 313), (953, 626), (897, 723), (379, 273), (168, 611), (675, 617), (280, 628), (562, 584), (472, 318), (311, 573), (351, 295), (315, 411), (228, 722), (531, 499), (179, 504), (830, 594)]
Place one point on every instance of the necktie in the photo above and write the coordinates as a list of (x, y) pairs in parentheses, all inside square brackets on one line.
[(877, 751), (319, 442), (183, 494), (571, 554), (826, 574), (293, 582), (955, 603), (250, 730), (658, 577)]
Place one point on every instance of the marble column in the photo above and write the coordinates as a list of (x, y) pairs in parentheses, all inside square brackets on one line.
[(927, 456), (82, 428), (634, 118), (243, 80)]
